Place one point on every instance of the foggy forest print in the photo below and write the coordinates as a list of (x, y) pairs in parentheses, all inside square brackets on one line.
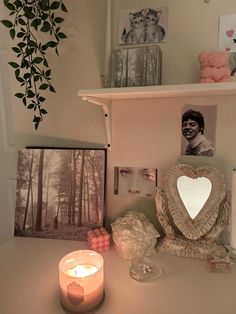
[(60, 192)]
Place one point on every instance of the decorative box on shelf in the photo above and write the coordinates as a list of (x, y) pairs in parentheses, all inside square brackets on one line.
[(138, 66)]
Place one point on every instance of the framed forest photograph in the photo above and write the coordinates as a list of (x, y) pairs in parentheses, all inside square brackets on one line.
[(60, 192)]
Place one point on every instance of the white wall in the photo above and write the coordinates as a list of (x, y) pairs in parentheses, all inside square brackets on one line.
[(145, 133)]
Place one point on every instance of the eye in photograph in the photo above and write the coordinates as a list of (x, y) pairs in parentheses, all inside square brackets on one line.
[(135, 181), (125, 172)]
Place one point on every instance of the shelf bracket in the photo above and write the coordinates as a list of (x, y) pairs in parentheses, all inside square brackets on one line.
[(104, 104)]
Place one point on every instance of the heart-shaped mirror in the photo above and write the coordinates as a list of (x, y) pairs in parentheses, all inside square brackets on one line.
[(194, 193), (184, 182)]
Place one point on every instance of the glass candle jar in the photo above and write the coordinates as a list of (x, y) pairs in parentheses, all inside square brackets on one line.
[(81, 277)]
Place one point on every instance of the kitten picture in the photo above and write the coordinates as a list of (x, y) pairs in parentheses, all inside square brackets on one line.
[(136, 34), (147, 25), (154, 32)]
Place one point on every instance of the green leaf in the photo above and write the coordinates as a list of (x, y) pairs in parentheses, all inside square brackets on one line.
[(37, 60), (14, 65), (24, 101), (21, 21), (43, 111), (27, 76), (29, 52), (24, 63), (6, 2), (21, 44), (42, 99), (58, 19), (30, 106), (11, 6), (61, 35), (44, 5), (55, 5), (32, 43), (44, 16), (46, 27), (51, 44), (17, 73), (36, 125), (16, 49), (44, 47), (18, 3), (30, 93), (52, 89), (7, 23), (45, 63), (37, 119), (48, 73), (63, 7), (12, 33), (43, 86), (35, 23), (20, 79), (19, 95), (28, 13), (20, 34)]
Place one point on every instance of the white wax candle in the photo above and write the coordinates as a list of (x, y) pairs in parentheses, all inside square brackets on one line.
[(107, 41), (81, 271), (233, 212), (81, 280)]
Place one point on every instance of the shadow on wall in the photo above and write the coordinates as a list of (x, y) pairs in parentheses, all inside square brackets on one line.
[(23, 140)]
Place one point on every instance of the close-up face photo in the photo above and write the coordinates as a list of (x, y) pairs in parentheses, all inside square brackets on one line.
[(135, 181), (190, 129)]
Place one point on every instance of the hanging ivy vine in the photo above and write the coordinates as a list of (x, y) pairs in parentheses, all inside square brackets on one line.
[(32, 71)]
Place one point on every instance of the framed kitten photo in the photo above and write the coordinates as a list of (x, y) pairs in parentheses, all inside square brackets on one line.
[(60, 192), (144, 25)]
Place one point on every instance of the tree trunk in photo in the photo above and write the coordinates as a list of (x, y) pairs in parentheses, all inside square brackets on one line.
[(91, 161), (73, 194), (28, 191), (69, 215), (80, 203), (38, 224), (46, 205), (32, 206), (88, 216)]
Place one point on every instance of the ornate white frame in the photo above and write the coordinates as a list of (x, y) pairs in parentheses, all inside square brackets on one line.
[(186, 236), (194, 228)]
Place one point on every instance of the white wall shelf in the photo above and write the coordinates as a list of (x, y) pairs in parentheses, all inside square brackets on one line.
[(104, 96), (185, 90)]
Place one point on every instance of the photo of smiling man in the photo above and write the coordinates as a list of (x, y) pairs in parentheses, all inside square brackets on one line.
[(198, 130)]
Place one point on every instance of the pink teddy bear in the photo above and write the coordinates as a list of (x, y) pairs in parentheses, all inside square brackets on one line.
[(214, 67)]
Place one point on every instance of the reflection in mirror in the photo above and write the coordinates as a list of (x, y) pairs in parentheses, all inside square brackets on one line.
[(194, 193)]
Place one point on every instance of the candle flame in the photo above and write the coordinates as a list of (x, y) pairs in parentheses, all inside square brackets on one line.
[(81, 271)]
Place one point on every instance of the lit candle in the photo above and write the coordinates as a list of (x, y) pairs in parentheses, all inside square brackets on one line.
[(81, 280), (233, 213), (107, 44)]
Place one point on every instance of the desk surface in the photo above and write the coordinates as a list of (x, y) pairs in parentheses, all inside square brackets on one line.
[(29, 282)]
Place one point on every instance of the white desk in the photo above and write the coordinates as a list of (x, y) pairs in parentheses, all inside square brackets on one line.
[(29, 282)]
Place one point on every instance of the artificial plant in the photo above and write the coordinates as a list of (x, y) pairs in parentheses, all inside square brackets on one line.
[(30, 18)]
